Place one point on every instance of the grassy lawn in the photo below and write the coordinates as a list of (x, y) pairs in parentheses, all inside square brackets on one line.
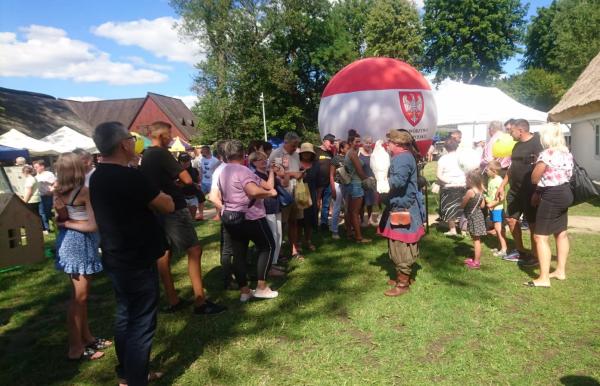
[(332, 324)]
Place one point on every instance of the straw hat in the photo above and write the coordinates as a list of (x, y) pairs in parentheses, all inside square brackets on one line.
[(399, 137), (307, 148)]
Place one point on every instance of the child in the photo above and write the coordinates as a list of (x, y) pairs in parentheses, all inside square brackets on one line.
[(496, 207), (472, 203)]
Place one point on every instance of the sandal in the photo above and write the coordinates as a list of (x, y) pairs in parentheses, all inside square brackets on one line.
[(298, 256), (99, 344), (88, 354), (363, 241), (532, 284)]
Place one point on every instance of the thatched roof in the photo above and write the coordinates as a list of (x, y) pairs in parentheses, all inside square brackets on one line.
[(177, 112), (97, 112), (582, 98), (37, 115)]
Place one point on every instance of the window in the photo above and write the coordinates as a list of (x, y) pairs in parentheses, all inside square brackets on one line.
[(17, 237), (597, 139)]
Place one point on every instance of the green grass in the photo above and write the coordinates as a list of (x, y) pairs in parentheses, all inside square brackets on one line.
[(332, 325)]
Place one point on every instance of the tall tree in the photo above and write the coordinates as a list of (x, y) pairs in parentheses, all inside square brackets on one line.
[(540, 40), (393, 29), (469, 40)]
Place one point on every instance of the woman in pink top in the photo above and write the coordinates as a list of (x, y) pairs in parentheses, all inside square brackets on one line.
[(553, 196), (242, 194)]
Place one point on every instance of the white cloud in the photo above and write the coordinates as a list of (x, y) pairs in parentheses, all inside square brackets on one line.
[(158, 36), (83, 98), (48, 52), (139, 61), (188, 100)]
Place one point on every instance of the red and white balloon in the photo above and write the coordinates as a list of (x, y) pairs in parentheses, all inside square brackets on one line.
[(375, 95)]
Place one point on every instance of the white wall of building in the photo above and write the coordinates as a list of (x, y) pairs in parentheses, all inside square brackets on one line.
[(583, 146)]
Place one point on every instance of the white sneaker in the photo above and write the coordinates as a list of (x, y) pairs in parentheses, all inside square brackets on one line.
[(449, 233), (244, 297), (266, 293), (335, 236)]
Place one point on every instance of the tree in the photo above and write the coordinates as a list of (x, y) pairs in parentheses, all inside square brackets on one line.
[(535, 87), (469, 40), (577, 28), (540, 40), (564, 37), (393, 29)]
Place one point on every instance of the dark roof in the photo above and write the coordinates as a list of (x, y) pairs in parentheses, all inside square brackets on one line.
[(37, 115), (177, 112), (97, 112), (4, 200)]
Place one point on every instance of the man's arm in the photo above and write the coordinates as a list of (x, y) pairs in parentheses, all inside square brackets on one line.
[(500, 192), (162, 203)]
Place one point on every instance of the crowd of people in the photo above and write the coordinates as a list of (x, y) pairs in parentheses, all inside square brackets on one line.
[(140, 211)]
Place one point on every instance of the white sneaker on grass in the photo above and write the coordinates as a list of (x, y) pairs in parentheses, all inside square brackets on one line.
[(266, 293)]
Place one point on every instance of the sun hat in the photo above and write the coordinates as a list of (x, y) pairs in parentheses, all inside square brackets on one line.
[(307, 148)]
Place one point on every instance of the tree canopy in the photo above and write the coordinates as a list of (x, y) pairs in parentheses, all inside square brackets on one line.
[(470, 40)]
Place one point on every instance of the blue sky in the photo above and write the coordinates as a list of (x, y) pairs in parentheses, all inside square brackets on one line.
[(103, 49)]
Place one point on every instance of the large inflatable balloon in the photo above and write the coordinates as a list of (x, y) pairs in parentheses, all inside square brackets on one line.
[(503, 146), (140, 144), (375, 95)]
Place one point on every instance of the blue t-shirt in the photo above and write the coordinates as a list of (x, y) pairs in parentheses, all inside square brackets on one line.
[(207, 167)]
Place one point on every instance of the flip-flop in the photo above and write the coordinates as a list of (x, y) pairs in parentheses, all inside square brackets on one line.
[(532, 284), (298, 256), (100, 344), (87, 355), (363, 241)]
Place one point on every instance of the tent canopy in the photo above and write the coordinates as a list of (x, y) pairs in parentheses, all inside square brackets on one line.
[(471, 108), (16, 139), (69, 140), (10, 153)]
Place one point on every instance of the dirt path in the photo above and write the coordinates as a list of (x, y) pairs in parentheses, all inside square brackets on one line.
[(577, 224)]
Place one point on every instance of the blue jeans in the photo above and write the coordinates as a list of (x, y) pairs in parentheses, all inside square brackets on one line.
[(136, 292), (325, 204), (337, 207), (45, 210)]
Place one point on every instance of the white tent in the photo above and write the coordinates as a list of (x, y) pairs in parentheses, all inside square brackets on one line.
[(14, 138), (69, 139), (470, 108)]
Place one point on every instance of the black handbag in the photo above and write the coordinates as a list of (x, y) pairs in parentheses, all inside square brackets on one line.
[(229, 217), (582, 186)]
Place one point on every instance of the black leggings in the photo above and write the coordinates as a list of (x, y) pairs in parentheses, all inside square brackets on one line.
[(260, 234), (226, 255)]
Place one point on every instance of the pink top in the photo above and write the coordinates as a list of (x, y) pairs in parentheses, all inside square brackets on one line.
[(489, 156), (559, 167), (232, 181)]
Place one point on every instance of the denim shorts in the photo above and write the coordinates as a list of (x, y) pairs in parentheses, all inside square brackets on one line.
[(180, 231), (355, 189), (496, 215)]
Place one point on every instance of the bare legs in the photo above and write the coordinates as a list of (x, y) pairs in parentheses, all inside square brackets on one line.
[(194, 271), (77, 320), (477, 249), (562, 249), (354, 216), (501, 235), (545, 256), (515, 229)]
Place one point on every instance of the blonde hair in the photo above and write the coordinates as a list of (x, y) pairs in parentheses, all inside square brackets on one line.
[(494, 166), (551, 137), (70, 172), (257, 156)]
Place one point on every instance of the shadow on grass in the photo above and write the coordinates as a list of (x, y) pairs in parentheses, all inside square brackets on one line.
[(579, 380), (32, 350)]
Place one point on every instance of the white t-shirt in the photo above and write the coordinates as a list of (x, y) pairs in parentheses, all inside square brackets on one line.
[(215, 176), (87, 177), (45, 181), (31, 182), (448, 171), (291, 160)]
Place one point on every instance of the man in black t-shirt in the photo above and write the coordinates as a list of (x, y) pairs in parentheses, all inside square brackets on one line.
[(131, 241), (160, 167), (324, 155), (518, 200)]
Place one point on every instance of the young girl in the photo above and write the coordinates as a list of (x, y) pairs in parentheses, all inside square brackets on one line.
[(77, 252), (496, 207), (472, 204)]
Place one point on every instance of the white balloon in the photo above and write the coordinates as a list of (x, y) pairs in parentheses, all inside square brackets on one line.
[(380, 164), (468, 159)]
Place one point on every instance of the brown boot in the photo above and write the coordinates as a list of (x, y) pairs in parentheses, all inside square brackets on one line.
[(402, 286), (393, 282)]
